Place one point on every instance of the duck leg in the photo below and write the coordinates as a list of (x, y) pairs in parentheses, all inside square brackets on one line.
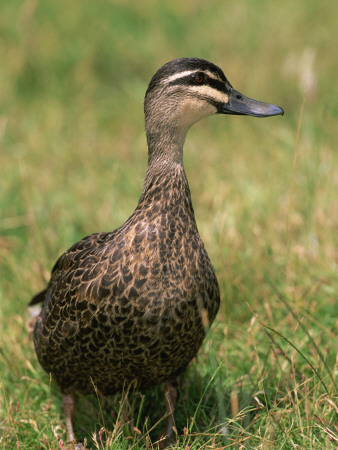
[(69, 404), (170, 399)]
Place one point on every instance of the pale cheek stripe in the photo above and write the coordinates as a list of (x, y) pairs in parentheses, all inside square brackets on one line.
[(207, 91), (179, 75)]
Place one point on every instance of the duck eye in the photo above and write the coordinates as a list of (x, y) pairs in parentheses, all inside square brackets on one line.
[(199, 78)]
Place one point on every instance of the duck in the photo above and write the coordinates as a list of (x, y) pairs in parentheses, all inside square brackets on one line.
[(133, 305)]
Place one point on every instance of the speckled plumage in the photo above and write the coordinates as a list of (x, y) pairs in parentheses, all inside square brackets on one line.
[(132, 305), (128, 305)]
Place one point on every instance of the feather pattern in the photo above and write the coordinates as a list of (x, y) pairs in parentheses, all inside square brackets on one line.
[(133, 304), (127, 305)]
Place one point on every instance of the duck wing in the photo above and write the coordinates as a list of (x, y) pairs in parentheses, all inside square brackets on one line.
[(70, 259)]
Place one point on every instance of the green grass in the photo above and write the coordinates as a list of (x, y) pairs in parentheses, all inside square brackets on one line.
[(73, 157)]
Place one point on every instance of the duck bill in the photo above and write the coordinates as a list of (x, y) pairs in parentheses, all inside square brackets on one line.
[(239, 104)]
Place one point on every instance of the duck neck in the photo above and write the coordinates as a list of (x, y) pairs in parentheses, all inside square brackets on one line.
[(165, 145), (166, 184), (165, 148)]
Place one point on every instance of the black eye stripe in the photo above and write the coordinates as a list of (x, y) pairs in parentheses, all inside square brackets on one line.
[(208, 81), (216, 84), (198, 77)]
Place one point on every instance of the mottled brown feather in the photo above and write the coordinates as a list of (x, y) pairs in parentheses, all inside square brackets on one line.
[(127, 305), (132, 305)]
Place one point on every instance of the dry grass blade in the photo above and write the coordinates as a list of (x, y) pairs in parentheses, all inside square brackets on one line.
[(294, 315), (266, 327)]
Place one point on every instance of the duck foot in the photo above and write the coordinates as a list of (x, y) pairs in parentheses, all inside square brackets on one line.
[(168, 436), (75, 446), (164, 442), (69, 404)]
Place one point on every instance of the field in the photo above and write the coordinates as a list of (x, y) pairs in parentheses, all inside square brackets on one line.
[(73, 157)]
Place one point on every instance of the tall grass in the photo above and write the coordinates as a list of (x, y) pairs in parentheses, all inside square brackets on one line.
[(73, 157)]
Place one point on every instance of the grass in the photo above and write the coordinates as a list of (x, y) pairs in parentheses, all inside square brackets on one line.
[(73, 157)]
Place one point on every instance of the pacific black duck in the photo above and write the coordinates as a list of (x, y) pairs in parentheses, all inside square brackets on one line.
[(131, 305)]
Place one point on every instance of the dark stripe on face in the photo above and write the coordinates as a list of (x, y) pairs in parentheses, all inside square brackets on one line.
[(217, 104), (189, 81), (181, 65), (212, 101)]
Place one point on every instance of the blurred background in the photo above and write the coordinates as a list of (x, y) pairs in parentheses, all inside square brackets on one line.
[(73, 157)]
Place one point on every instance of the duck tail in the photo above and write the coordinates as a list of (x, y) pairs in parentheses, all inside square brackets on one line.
[(38, 298), (33, 310)]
